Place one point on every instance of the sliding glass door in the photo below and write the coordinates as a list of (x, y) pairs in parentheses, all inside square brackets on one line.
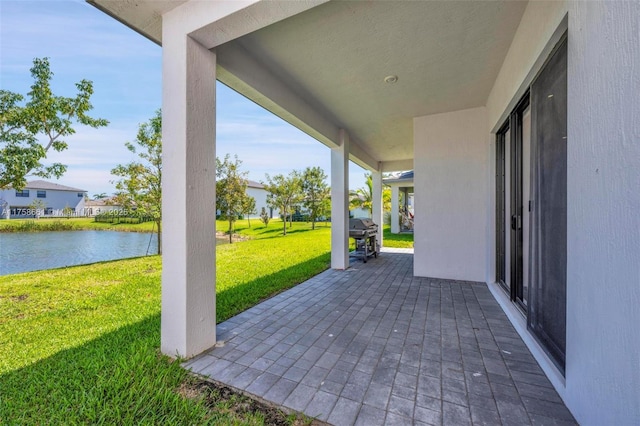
[(512, 187), (531, 210)]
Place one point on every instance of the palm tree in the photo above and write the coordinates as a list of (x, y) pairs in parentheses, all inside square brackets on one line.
[(362, 198)]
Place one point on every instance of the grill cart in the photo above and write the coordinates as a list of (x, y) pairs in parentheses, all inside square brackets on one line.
[(364, 231)]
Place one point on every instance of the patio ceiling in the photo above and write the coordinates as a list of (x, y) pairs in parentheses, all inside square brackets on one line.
[(324, 69)]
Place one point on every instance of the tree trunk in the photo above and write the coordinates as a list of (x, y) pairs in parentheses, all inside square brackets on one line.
[(284, 229), (159, 224), (313, 223), (249, 220), (230, 232)]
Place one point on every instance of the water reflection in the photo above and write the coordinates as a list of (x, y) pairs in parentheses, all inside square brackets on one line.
[(32, 251)]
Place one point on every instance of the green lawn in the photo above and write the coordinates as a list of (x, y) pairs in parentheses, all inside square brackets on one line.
[(396, 240), (80, 344)]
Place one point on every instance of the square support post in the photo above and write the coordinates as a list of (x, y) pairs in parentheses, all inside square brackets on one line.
[(340, 203), (188, 194), (395, 210), (376, 203)]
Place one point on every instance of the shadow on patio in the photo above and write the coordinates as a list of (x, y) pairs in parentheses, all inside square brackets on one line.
[(375, 345)]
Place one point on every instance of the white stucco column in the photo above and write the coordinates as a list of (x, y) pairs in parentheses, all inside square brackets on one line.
[(340, 203), (395, 210), (188, 194), (376, 203)]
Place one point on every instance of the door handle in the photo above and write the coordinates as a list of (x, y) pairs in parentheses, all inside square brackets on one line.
[(516, 222)]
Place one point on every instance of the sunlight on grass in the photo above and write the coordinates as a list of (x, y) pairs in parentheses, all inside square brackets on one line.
[(396, 240), (81, 344)]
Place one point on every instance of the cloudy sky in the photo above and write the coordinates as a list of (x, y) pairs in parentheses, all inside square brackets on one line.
[(125, 68)]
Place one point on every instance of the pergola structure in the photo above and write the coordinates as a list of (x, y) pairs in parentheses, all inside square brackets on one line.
[(519, 119)]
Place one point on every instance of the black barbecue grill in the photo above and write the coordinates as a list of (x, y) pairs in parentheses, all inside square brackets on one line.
[(364, 232)]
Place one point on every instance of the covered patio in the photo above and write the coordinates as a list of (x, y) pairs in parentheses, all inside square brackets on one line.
[(517, 119), (375, 345)]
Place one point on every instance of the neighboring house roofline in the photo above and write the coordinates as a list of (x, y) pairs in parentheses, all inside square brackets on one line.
[(101, 203), (254, 184), (401, 177), (42, 184)]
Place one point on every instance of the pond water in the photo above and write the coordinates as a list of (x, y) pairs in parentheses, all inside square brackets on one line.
[(33, 251)]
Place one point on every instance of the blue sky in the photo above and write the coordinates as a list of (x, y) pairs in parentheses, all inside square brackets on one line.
[(82, 42)]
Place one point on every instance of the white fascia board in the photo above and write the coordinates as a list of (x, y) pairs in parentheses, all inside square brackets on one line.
[(400, 183), (197, 17), (211, 23), (241, 72), (362, 158), (397, 165), (226, 21)]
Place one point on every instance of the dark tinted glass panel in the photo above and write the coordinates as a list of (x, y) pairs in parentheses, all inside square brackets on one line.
[(547, 314)]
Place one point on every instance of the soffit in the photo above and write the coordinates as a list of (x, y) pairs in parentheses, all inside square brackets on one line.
[(335, 56), (142, 16), (446, 54)]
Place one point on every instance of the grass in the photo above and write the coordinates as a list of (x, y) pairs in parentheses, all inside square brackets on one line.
[(396, 240), (276, 262), (80, 344), (71, 224)]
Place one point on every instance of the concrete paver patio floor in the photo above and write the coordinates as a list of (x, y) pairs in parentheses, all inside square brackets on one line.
[(374, 345)]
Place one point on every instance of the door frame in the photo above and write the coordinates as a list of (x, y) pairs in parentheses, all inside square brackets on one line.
[(513, 126)]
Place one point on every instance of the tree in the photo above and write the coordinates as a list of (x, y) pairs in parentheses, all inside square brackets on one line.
[(363, 197), (249, 207), (325, 206), (67, 211), (100, 196), (297, 199), (231, 190), (283, 193), (38, 207), (140, 188), (264, 217), (44, 116), (314, 188)]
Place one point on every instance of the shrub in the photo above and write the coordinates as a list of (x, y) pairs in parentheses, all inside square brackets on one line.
[(264, 217)]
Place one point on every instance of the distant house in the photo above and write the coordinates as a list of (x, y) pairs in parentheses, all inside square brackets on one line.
[(95, 207), (259, 193), (55, 198)]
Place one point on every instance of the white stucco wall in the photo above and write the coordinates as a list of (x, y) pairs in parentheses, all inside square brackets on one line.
[(260, 196), (603, 234), (450, 181), (603, 253)]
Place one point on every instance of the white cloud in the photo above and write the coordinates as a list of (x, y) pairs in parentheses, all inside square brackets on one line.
[(68, 29)]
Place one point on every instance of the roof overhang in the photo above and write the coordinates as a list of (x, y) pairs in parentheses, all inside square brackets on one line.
[(322, 66)]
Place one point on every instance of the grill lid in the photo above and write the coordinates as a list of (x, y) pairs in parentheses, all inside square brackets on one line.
[(362, 224)]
